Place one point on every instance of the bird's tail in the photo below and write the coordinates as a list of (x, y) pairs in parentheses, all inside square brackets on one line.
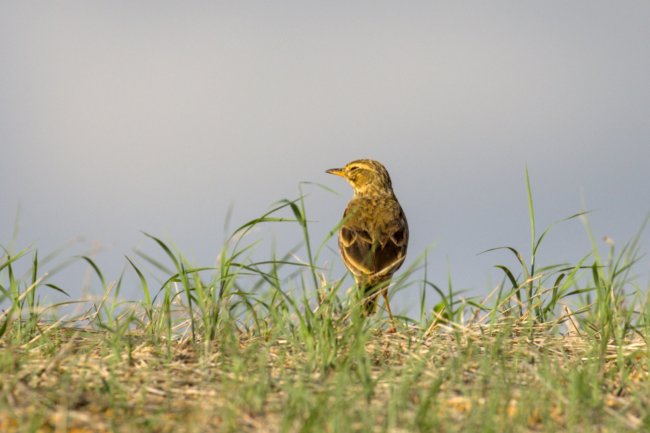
[(370, 298)]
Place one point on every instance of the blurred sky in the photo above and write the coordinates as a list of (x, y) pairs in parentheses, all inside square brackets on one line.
[(117, 117)]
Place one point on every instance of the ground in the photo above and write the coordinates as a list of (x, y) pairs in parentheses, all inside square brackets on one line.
[(500, 377)]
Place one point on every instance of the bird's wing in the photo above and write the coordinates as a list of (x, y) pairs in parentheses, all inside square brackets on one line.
[(374, 251)]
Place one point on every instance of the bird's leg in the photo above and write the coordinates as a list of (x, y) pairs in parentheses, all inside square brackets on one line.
[(392, 329)]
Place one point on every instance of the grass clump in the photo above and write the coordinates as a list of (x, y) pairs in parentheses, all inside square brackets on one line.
[(273, 345)]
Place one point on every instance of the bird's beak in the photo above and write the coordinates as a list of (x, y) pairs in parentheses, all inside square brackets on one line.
[(336, 171)]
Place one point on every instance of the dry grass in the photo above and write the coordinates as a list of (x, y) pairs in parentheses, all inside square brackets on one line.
[(460, 379)]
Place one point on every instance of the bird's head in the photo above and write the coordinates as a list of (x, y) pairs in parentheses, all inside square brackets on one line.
[(366, 176)]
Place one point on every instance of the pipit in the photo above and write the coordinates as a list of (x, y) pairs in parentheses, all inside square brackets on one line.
[(374, 233)]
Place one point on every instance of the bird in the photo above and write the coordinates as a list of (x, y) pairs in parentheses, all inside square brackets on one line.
[(373, 234)]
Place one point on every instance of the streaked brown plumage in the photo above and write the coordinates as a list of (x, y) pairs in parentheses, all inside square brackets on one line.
[(373, 237)]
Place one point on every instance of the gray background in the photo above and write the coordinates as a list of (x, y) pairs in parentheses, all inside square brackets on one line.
[(158, 116)]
